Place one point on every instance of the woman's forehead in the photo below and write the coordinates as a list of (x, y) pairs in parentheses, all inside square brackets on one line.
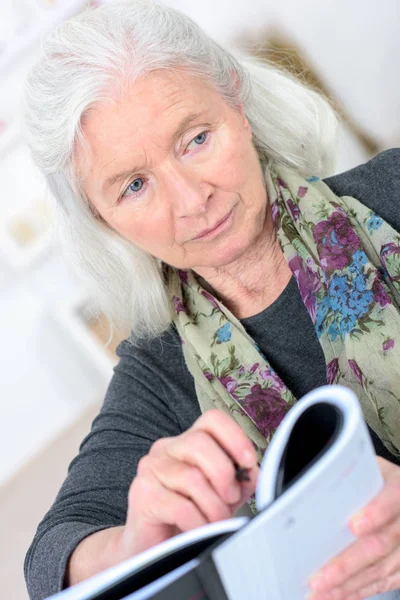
[(159, 92), (152, 112), (151, 102)]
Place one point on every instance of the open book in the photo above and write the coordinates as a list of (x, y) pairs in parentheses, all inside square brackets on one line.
[(319, 469)]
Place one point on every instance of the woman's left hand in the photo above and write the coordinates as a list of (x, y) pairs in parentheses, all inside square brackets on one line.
[(371, 565)]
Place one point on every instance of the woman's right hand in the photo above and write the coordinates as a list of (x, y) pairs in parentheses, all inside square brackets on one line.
[(183, 482), (187, 481)]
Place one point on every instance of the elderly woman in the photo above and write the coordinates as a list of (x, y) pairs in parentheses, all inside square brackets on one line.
[(188, 188)]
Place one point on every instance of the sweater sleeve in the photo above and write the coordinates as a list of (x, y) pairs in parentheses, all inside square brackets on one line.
[(375, 183), (134, 414)]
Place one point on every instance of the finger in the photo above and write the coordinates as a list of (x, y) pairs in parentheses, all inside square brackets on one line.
[(384, 507), (227, 433), (191, 482), (200, 449), (363, 553), (151, 504), (378, 587), (383, 575)]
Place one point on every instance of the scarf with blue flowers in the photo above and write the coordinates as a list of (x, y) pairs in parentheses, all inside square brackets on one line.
[(346, 261)]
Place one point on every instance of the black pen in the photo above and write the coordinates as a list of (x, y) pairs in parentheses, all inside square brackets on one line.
[(241, 474)]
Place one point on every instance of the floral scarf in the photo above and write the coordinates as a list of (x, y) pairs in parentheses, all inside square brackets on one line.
[(346, 261)]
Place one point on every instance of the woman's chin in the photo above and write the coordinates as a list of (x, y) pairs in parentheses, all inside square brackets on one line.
[(220, 254)]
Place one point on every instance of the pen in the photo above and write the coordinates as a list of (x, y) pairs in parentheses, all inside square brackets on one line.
[(241, 474)]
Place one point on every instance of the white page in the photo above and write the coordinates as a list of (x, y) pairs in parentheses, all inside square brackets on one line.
[(308, 524)]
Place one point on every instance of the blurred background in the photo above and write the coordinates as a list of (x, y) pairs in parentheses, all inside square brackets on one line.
[(56, 359)]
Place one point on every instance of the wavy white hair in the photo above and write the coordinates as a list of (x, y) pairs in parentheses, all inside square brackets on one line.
[(86, 61)]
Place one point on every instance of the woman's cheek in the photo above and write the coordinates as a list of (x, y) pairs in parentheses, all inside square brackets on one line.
[(232, 163), (145, 234), (154, 234), (130, 227)]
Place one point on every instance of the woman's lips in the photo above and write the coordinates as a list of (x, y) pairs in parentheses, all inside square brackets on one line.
[(216, 230)]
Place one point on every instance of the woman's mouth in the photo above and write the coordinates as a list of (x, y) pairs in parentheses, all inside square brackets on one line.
[(218, 228)]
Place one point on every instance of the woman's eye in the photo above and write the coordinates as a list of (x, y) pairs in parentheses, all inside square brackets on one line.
[(199, 139), (134, 187)]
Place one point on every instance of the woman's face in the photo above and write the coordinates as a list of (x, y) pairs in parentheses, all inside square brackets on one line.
[(171, 161)]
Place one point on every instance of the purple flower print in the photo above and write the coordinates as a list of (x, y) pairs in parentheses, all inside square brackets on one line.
[(178, 305), (332, 370), (390, 260), (266, 407), (356, 370), (309, 283), (270, 375), (336, 241), (281, 183), (389, 249), (302, 191), (210, 298), (379, 292), (296, 263), (294, 209), (209, 375), (388, 345), (275, 211), (242, 370), (183, 276), (254, 368), (230, 384)]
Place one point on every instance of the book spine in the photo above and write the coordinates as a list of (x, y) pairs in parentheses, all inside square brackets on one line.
[(201, 583), (208, 575)]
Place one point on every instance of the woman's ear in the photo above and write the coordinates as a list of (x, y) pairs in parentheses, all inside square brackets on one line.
[(246, 124), (239, 104)]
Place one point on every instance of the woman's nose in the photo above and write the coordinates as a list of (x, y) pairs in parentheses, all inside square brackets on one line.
[(187, 193)]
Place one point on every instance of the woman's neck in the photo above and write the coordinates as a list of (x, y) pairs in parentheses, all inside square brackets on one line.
[(254, 281)]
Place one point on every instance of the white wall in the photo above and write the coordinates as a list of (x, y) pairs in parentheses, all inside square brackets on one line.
[(355, 46)]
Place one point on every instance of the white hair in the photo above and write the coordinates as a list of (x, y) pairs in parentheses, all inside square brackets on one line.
[(85, 61)]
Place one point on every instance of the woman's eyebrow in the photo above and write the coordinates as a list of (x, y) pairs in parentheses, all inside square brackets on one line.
[(117, 177), (185, 122)]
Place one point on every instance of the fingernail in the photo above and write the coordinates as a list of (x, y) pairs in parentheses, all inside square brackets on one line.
[(358, 522), (358, 514), (248, 459), (359, 525), (316, 582)]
